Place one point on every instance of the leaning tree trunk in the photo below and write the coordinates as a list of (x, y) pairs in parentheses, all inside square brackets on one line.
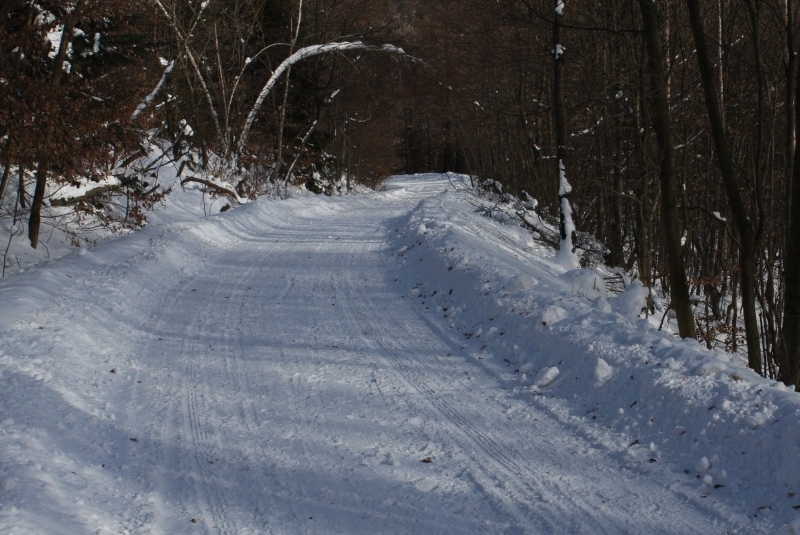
[(748, 236), (666, 151)]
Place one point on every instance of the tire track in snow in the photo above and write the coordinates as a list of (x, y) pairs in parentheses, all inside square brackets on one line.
[(210, 501), (498, 460), (503, 472), (335, 338), (140, 372), (188, 491), (185, 498), (236, 345), (221, 319), (209, 510), (362, 308), (512, 494)]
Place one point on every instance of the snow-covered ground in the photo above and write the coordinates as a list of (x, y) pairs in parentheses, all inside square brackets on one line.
[(382, 363)]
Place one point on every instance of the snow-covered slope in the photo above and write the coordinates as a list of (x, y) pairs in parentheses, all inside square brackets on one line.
[(381, 363)]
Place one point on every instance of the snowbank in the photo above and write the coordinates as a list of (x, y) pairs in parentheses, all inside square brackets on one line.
[(589, 357)]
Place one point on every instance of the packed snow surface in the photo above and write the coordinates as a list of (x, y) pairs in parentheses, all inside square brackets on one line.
[(383, 363)]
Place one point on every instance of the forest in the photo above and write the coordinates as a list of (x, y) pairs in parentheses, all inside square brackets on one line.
[(676, 123)]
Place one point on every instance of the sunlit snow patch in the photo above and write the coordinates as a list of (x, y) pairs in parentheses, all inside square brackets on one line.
[(587, 283), (602, 371), (521, 283), (546, 377)]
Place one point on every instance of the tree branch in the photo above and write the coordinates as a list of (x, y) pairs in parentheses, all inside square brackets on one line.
[(304, 53)]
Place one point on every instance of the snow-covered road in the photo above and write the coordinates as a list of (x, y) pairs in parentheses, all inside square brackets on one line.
[(256, 373)]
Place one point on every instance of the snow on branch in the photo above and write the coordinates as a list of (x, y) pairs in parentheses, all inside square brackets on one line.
[(86, 190), (303, 53), (566, 255), (183, 42), (149, 98), (219, 186)]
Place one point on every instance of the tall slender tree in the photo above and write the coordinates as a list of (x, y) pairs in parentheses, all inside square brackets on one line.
[(789, 351), (566, 248), (666, 153), (748, 233)]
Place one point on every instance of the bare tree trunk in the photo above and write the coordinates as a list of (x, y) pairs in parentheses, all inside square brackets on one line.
[(748, 236), (759, 170), (644, 248), (789, 343), (720, 52), (35, 220), (789, 352), (791, 82), (281, 126), (285, 99), (666, 150), (66, 39), (566, 225), (4, 179), (21, 190), (558, 96), (616, 244)]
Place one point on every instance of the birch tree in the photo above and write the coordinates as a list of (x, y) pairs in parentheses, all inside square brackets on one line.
[(300, 55)]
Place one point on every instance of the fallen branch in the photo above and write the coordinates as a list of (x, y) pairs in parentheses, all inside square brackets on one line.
[(85, 192), (225, 189), (545, 234)]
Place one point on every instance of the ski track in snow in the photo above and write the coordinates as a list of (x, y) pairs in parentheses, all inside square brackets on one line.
[(275, 378)]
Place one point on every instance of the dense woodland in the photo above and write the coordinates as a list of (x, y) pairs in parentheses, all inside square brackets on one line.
[(676, 122)]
